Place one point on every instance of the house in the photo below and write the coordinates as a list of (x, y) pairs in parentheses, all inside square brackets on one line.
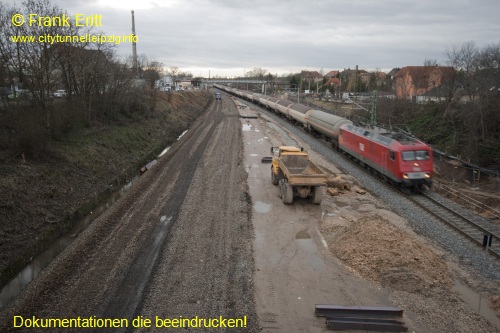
[(438, 94), (350, 78), (331, 74), (312, 76), (347, 73), (412, 81), (333, 84), (393, 72), (334, 81)]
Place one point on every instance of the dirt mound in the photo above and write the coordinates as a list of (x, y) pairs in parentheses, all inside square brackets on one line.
[(377, 250)]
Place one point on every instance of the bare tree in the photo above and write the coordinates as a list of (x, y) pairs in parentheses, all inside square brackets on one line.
[(174, 71), (430, 62), (152, 73), (465, 60), (478, 77), (257, 73)]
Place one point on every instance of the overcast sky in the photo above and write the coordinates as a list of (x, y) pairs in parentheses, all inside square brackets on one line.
[(230, 37)]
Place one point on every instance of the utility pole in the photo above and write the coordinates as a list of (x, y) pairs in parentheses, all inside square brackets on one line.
[(373, 111)]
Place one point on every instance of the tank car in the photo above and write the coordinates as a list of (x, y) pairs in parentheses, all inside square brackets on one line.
[(298, 113), (325, 123), (282, 105)]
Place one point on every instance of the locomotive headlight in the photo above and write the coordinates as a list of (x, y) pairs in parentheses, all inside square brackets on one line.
[(405, 176), (427, 175)]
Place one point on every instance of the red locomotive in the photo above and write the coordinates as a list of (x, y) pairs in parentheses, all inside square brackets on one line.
[(395, 156)]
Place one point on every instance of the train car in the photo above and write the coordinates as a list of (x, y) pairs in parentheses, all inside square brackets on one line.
[(241, 93), (271, 103), (282, 106), (248, 95), (256, 98), (298, 112), (263, 100), (325, 123), (396, 156)]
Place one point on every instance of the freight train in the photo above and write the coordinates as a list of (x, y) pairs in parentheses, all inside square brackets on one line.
[(396, 157)]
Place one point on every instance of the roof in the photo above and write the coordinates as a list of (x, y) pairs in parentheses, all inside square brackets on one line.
[(335, 81), (384, 137), (444, 90), (393, 72), (425, 71), (332, 73), (347, 72), (312, 74)]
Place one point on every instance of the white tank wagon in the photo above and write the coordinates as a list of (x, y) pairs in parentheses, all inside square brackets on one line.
[(263, 100), (325, 123), (271, 103), (298, 112), (256, 97), (282, 106)]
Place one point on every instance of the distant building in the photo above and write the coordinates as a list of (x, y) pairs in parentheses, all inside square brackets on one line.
[(165, 83), (350, 78), (438, 94), (331, 74), (412, 81), (313, 76), (333, 82)]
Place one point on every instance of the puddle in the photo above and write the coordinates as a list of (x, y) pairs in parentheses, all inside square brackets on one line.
[(253, 155), (31, 271), (303, 234), (164, 151), (311, 251), (247, 127), (477, 302), (182, 134), (262, 207), (341, 204)]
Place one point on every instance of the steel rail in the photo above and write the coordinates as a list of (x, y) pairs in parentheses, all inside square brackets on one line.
[(459, 223)]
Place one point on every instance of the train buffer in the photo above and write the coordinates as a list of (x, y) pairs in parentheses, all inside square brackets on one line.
[(368, 318)]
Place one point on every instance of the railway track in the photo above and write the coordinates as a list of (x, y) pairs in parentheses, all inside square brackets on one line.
[(447, 215), (457, 221)]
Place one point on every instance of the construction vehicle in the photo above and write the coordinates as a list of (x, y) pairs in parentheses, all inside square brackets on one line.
[(296, 175)]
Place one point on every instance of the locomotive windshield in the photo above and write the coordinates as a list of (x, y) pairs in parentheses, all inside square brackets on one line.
[(412, 155)]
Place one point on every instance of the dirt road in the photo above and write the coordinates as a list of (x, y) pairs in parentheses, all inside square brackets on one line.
[(178, 244)]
